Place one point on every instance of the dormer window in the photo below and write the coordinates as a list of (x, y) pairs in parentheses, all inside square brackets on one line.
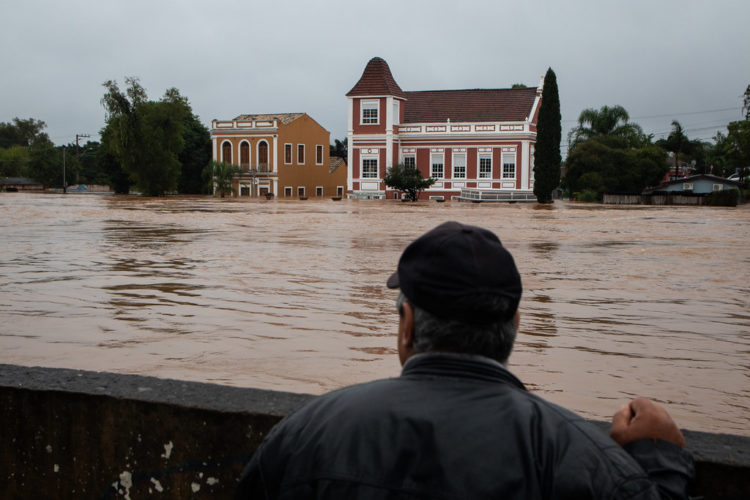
[(369, 112)]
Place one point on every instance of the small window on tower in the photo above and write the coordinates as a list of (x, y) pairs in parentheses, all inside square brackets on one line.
[(369, 112)]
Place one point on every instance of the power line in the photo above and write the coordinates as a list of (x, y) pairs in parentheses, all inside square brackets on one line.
[(735, 108), (668, 115)]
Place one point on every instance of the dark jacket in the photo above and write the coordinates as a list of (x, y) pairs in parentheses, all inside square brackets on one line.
[(451, 427)]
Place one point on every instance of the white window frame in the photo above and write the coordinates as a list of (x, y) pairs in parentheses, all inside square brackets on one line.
[(484, 174), (303, 154), (319, 189), (369, 106), (433, 164), (458, 175), (718, 187), (362, 167), (319, 147), (288, 192), (412, 157), (291, 153), (505, 163), (301, 192)]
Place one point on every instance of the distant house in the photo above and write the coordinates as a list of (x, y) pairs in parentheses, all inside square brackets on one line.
[(692, 190), (284, 155), (701, 184), (474, 142), (13, 184)]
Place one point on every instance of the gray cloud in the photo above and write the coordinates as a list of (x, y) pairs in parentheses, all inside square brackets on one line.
[(662, 60)]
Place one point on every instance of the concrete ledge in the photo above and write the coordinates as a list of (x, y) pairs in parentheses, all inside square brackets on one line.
[(72, 433)]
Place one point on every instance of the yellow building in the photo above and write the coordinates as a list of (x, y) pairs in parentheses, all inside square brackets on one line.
[(284, 155)]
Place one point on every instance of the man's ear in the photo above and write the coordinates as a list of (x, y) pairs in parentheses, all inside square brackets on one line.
[(405, 333)]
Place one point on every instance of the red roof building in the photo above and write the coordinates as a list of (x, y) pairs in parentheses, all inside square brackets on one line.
[(476, 143)]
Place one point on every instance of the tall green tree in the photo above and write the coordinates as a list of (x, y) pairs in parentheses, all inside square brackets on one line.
[(407, 178), (194, 156), (14, 161), (110, 166), (46, 162), (23, 146), (220, 175), (716, 156), (340, 148), (609, 165), (738, 147), (146, 136), (676, 141), (606, 121), (547, 157), (684, 149), (22, 132)]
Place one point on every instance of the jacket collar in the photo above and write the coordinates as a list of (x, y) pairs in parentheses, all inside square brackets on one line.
[(447, 364)]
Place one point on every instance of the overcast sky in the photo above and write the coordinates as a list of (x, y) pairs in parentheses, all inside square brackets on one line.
[(660, 59)]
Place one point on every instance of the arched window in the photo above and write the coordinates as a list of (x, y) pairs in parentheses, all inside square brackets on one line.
[(263, 156), (226, 152), (245, 156)]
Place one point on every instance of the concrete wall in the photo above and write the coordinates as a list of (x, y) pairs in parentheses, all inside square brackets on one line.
[(70, 433)]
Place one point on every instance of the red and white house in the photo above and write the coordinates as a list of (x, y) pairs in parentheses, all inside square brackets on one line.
[(477, 144)]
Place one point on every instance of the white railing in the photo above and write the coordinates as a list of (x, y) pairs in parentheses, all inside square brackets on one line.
[(496, 195)]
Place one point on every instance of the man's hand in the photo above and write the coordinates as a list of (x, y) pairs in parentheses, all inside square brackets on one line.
[(642, 419)]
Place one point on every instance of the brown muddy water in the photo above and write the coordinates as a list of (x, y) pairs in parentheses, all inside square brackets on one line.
[(289, 295)]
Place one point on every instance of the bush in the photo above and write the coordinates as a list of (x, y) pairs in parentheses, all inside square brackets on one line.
[(724, 198), (587, 195)]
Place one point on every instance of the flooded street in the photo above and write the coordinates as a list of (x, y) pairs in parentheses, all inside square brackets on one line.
[(289, 295)]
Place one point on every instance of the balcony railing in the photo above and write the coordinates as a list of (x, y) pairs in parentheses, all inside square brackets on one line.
[(259, 169)]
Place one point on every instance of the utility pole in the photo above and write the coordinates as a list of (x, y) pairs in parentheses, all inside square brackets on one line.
[(65, 189), (78, 154)]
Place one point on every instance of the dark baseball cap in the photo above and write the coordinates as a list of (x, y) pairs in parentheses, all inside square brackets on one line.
[(462, 272)]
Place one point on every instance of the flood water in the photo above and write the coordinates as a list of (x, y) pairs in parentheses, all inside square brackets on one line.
[(289, 295)]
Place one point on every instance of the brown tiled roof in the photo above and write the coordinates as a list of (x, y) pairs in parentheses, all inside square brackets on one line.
[(476, 105), (284, 118), (335, 162), (376, 80)]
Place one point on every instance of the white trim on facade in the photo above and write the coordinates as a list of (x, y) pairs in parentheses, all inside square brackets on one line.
[(275, 156), (350, 142), (389, 132)]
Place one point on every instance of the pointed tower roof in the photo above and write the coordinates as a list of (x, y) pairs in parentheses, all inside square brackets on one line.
[(376, 80)]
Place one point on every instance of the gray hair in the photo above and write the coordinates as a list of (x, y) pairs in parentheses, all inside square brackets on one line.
[(433, 334)]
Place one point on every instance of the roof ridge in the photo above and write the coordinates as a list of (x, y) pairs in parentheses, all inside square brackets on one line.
[(474, 89)]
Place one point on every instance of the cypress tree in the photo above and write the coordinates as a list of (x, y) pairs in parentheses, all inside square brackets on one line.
[(547, 157)]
